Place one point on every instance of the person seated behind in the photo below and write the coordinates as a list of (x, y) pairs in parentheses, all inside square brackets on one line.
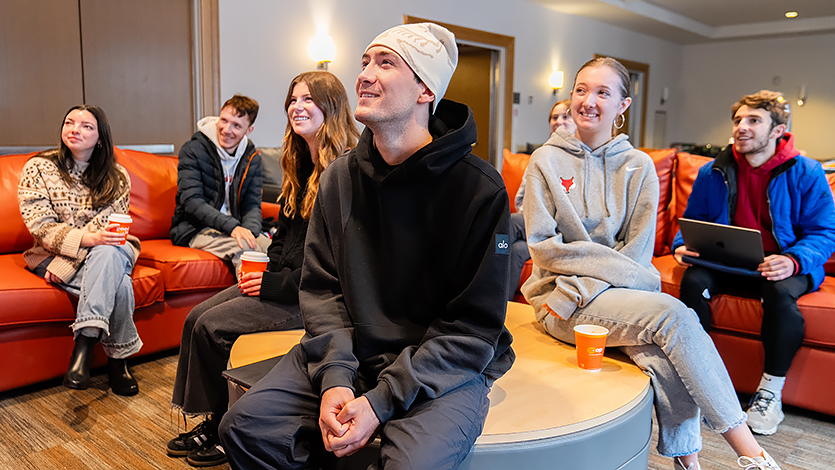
[(786, 197), (590, 210), (66, 198), (558, 117), (319, 129), (402, 291), (219, 185)]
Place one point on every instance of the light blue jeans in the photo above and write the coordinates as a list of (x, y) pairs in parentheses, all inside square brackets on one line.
[(105, 298), (665, 339)]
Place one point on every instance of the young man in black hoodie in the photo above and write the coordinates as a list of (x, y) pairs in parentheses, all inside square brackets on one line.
[(403, 286), (219, 185)]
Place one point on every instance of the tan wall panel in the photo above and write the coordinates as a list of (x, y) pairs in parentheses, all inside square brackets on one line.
[(137, 66), (40, 69)]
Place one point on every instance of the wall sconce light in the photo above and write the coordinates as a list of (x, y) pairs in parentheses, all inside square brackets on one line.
[(665, 95), (322, 50), (801, 96), (556, 80)]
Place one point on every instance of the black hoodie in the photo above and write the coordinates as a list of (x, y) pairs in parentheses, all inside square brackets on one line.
[(405, 273)]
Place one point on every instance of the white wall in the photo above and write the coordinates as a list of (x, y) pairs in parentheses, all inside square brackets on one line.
[(263, 45), (714, 76)]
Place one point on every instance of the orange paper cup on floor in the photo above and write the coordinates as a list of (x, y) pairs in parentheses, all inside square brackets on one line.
[(253, 262), (591, 343), (123, 221)]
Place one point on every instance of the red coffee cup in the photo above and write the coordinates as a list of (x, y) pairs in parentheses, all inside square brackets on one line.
[(253, 261), (123, 221), (591, 343)]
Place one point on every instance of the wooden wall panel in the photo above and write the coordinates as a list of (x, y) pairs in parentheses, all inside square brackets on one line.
[(137, 66), (40, 69)]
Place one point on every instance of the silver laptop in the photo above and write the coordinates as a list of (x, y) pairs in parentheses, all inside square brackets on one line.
[(736, 250)]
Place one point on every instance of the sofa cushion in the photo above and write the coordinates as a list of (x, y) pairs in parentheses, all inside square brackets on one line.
[(185, 269), (686, 169), (513, 170), (153, 191), (664, 160), (14, 236), (28, 299), (744, 315), (829, 267)]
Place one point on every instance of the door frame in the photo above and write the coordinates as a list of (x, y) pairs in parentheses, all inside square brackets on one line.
[(644, 69), (505, 45)]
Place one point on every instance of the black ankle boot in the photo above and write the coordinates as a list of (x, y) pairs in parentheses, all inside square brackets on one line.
[(78, 374), (121, 380)]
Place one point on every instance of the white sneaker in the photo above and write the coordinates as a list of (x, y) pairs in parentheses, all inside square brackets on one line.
[(765, 412), (677, 465), (765, 462)]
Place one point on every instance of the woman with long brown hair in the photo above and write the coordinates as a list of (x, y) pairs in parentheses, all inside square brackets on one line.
[(67, 197), (320, 128)]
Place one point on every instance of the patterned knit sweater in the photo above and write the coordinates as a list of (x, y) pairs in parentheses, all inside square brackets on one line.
[(57, 215)]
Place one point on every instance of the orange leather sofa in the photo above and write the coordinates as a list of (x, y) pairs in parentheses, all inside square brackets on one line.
[(168, 280), (810, 383)]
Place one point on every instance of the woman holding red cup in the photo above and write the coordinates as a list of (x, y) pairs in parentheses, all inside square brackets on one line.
[(320, 128), (67, 197)]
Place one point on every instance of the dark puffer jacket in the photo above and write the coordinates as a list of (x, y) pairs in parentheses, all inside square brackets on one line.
[(201, 192)]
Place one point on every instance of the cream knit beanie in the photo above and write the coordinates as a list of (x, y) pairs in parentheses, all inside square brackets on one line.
[(429, 49)]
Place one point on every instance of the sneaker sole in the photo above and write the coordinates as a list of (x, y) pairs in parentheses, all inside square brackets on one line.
[(197, 463), (176, 453), (764, 432)]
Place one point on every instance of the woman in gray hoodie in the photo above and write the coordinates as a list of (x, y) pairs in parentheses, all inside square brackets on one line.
[(590, 212)]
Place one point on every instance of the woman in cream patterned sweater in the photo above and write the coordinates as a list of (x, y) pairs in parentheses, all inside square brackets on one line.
[(66, 198)]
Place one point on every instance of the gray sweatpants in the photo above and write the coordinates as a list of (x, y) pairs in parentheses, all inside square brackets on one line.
[(276, 424), (225, 247)]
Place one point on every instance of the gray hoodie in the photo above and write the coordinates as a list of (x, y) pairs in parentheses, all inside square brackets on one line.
[(208, 126), (590, 218)]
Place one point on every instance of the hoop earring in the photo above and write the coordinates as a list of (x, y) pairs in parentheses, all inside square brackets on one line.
[(98, 145), (622, 121)]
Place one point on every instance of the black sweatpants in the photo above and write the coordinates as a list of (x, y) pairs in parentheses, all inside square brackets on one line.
[(209, 332), (782, 326), (276, 424)]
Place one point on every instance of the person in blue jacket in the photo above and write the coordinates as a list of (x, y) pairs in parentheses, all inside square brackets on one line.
[(762, 182)]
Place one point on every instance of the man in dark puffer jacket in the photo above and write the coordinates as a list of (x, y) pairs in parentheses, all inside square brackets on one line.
[(219, 185)]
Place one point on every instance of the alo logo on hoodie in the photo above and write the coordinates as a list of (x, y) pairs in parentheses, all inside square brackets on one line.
[(567, 183), (502, 244)]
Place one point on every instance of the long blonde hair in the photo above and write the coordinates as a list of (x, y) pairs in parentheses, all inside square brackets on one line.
[(337, 134)]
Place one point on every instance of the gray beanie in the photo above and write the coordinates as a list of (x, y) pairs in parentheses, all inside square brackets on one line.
[(429, 50)]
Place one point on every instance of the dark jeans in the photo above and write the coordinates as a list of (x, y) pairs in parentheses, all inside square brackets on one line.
[(209, 331), (519, 253), (276, 424), (782, 326)]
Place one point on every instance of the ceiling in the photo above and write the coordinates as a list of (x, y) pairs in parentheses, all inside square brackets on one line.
[(699, 21)]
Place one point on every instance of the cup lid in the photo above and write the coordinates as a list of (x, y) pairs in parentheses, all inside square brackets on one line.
[(255, 256), (591, 330), (124, 218)]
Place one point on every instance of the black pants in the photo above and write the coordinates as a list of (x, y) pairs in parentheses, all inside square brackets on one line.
[(782, 326), (209, 331), (276, 424), (519, 253)]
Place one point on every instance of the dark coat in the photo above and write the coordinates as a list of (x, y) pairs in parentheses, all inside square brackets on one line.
[(201, 191)]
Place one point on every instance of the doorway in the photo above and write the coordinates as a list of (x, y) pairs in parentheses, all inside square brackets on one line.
[(483, 81), (635, 118)]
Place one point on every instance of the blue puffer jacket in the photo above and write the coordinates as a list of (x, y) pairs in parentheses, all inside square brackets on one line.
[(799, 200)]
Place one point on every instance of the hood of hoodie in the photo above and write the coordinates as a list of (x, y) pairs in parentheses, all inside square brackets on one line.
[(208, 126), (453, 131)]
